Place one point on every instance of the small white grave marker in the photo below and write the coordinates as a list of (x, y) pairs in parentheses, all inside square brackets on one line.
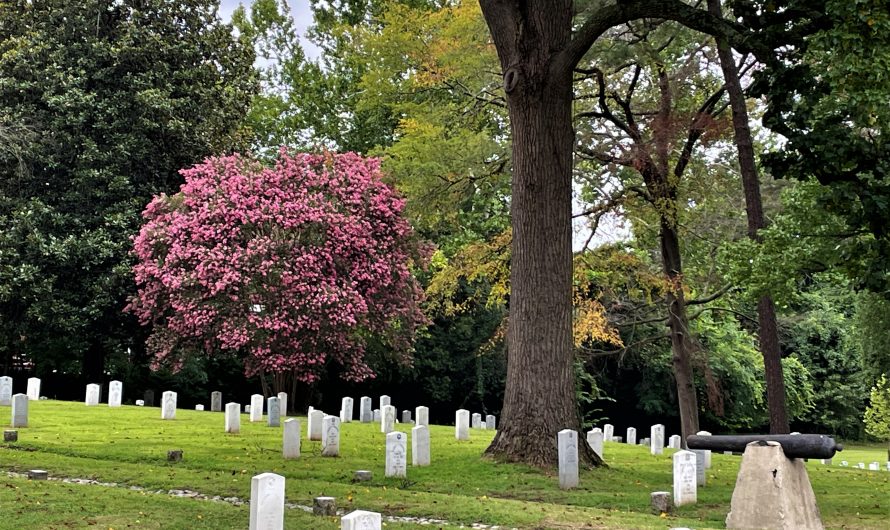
[(491, 422), (291, 445), (282, 405), (267, 502), (387, 419), (5, 391), (608, 432), (216, 401), (707, 451), (685, 485), (422, 415), (233, 418), (420, 446), (316, 417), (366, 415), (20, 410), (384, 401), (567, 451), (330, 438), (346, 410), (273, 407), (632, 436), (361, 520), (656, 439), (33, 389), (168, 405), (92, 397), (595, 441), (256, 408), (115, 393), (476, 421), (396, 455), (462, 424)]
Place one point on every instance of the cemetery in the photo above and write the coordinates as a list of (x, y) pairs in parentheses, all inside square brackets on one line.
[(109, 466), (484, 264)]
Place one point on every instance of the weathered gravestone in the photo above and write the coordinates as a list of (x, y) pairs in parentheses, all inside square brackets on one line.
[(273, 407), (491, 422), (233, 418), (567, 452), (314, 427), (5, 391), (282, 405), (330, 438), (422, 415), (462, 424), (595, 441), (365, 414), (148, 397), (291, 445), (267, 502), (406, 416), (92, 397), (685, 483), (656, 439), (376, 414), (384, 401), (10, 436), (660, 502), (476, 421), (631, 436), (420, 446), (700, 467), (20, 410), (256, 408), (168, 405), (33, 389), (396, 455), (608, 432), (115, 393), (674, 442), (346, 410), (199, 408), (387, 419), (324, 506), (874, 466), (707, 452), (361, 520), (140, 402), (216, 402)]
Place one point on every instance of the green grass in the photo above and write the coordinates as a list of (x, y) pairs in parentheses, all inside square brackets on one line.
[(129, 446)]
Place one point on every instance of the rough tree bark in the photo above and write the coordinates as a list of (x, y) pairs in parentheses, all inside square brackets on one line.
[(537, 52), (766, 310)]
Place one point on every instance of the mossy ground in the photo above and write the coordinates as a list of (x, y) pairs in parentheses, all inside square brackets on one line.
[(129, 446)]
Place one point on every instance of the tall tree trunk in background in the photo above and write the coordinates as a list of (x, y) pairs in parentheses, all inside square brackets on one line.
[(539, 398), (766, 311)]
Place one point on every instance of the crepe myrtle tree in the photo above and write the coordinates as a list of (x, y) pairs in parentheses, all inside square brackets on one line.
[(289, 267)]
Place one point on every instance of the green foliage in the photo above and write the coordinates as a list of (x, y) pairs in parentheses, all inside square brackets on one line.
[(877, 414), (117, 97), (872, 320)]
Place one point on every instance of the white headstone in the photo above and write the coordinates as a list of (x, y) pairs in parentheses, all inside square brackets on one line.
[(387, 419), (140, 402), (291, 447), (491, 422), (199, 408), (168, 405), (33, 389), (608, 432), (656, 439), (273, 408), (632, 436), (595, 441), (247, 409), (233, 418), (314, 428), (861, 465), (20, 410), (361, 520), (422, 415), (396, 454), (216, 401), (707, 451), (420, 446), (256, 408), (567, 451), (376, 414), (282, 405), (115, 393), (92, 397), (5, 391), (406, 416), (874, 466), (365, 414), (476, 420), (267, 502), (346, 410), (384, 401), (674, 442), (685, 484), (700, 467), (462, 424), (330, 436)]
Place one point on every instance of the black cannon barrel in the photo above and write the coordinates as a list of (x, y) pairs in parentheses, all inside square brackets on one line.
[(794, 445)]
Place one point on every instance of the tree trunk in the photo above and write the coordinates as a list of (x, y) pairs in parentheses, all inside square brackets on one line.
[(681, 338), (539, 398), (766, 310)]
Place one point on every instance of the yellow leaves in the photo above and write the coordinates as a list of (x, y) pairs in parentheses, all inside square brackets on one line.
[(590, 323)]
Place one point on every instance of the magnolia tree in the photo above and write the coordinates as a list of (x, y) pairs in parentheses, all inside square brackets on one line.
[(290, 267)]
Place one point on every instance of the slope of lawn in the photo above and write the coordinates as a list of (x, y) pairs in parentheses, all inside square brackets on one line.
[(128, 446)]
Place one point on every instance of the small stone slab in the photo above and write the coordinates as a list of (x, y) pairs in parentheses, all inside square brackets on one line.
[(38, 474), (267, 502), (362, 475), (10, 436), (324, 506), (661, 502), (361, 520), (174, 456)]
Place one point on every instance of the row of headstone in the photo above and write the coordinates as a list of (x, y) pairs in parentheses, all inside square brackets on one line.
[(94, 394), (346, 410)]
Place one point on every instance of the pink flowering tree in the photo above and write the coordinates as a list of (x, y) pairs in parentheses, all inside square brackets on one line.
[(291, 267)]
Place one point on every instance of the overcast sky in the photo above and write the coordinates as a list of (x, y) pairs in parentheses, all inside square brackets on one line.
[(300, 10)]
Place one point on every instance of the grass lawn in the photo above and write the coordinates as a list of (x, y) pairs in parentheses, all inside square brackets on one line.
[(129, 446)]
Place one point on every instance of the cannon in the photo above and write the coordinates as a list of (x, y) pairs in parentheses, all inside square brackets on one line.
[(793, 445)]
